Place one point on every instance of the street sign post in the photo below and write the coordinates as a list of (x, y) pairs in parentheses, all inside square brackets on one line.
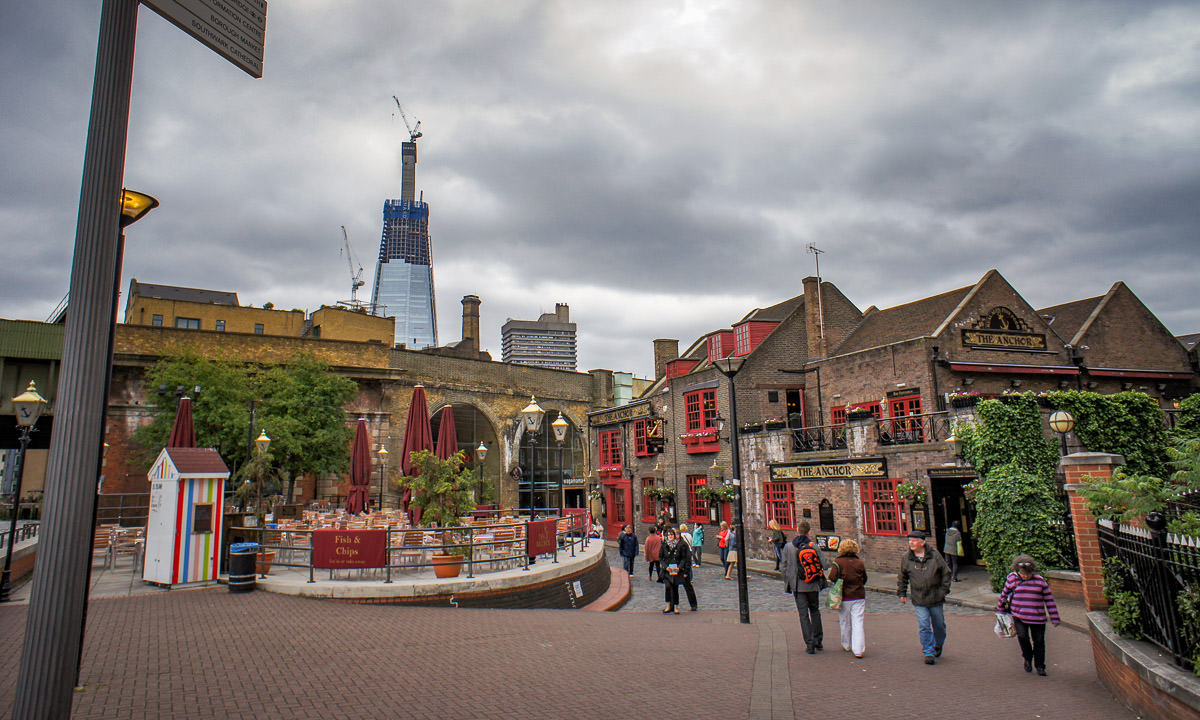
[(234, 29)]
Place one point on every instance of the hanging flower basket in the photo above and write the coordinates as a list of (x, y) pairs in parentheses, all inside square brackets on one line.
[(966, 399), (912, 492)]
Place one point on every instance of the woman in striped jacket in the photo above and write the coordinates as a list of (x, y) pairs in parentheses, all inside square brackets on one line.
[(1027, 596)]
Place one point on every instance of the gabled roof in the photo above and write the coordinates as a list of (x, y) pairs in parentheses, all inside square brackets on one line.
[(775, 313), (1189, 341), (916, 319), (197, 461), (171, 292), (1068, 319)]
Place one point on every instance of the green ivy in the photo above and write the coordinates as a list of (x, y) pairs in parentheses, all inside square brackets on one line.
[(1188, 601), (1187, 422), (1126, 423), (1008, 432), (1016, 513)]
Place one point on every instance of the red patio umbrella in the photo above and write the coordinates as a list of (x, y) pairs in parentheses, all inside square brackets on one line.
[(358, 496), (183, 433), (447, 442), (417, 436)]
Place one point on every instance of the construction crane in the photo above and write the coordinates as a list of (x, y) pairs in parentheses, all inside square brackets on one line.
[(356, 278), (414, 131)]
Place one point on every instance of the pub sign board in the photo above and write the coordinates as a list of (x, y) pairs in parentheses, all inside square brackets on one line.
[(823, 470), (349, 549), (541, 536)]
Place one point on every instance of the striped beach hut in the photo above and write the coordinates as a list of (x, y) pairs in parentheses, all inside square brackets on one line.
[(183, 532)]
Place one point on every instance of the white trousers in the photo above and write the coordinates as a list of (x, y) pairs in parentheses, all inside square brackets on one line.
[(850, 618)]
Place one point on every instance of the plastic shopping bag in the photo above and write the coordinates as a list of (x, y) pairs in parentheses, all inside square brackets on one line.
[(1004, 626)]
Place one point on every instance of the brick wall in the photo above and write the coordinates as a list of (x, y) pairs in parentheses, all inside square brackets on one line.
[(1078, 468)]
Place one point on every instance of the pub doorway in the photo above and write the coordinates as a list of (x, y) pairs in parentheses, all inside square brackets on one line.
[(948, 502)]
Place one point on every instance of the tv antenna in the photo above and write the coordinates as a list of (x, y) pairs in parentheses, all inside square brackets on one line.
[(816, 253)]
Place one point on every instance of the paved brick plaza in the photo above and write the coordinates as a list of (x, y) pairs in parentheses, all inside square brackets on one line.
[(212, 654)]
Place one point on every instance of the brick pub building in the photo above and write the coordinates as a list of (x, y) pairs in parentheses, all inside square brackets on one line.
[(837, 406)]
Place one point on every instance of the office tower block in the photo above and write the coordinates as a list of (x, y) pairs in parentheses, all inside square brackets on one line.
[(403, 286), (546, 342)]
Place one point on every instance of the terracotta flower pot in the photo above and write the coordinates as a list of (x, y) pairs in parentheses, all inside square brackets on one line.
[(447, 566), (265, 558)]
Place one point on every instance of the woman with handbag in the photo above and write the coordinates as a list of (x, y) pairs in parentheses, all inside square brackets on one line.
[(731, 552), (952, 549), (849, 569), (1026, 595), (677, 569)]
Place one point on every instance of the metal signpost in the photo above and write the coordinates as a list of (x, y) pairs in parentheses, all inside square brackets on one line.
[(50, 652)]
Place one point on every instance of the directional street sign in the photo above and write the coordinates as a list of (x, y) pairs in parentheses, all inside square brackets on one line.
[(234, 29)]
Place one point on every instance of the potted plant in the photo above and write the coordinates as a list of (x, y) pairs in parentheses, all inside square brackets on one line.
[(773, 423), (751, 427), (859, 413), (442, 492)]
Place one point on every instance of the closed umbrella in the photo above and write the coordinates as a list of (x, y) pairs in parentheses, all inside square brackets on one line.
[(447, 442), (417, 436), (358, 496), (183, 432)]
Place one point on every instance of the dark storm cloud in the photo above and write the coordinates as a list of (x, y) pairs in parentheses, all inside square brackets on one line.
[(659, 167)]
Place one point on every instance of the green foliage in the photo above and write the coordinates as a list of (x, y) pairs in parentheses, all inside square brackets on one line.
[(1016, 512), (724, 493), (1124, 497), (1116, 578), (1187, 422), (1186, 524), (441, 489), (1126, 423), (299, 405), (1188, 602), (1125, 614), (1008, 432), (1184, 459)]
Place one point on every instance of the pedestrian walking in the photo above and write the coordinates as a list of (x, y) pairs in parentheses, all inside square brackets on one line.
[(952, 548), (677, 564), (627, 545), (1027, 596), (723, 545), (697, 544), (803, 576), (849, 568), (925, 574), (731, 552), (778, 540), (654, 552)]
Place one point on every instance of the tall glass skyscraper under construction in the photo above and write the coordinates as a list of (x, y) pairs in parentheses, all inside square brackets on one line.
[(404, 274)]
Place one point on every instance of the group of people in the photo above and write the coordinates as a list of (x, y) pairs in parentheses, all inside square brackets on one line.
[(671, 553)]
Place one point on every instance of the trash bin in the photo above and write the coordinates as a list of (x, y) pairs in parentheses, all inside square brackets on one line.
[(243, 559)]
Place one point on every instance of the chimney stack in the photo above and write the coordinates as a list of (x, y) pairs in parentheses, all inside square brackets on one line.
[(817, 346), (470, 323), (665, 350), (563, 312)]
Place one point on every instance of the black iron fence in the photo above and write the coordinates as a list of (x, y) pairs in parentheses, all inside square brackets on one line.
[(484, 548), (1163, 570), (1065, 524), (907, 430)]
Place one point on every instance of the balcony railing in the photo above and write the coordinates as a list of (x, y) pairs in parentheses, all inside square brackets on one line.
[(907, 430)]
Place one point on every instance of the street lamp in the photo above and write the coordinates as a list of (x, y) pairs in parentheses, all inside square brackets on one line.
[(532, 417), (559, 428), (729, 367), (28, 406), (1062, 422), (262, 442), (382, 453)]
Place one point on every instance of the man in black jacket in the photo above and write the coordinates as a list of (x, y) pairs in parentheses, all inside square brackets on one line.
[(924, 572)]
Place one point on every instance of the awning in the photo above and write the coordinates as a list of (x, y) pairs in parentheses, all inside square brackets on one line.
[(1012, 369), (1153, 374)]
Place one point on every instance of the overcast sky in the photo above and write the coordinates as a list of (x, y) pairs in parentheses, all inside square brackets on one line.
[(659, 166)]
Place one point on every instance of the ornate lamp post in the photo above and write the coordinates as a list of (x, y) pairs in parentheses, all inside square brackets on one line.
[(1062, 422), (28, 406), (382, 453), (262, 443), (729, 367), (559, 428), (532, 417)]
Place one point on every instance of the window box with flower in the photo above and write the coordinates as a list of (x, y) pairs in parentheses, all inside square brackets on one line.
[(751, 427), (912, 492), (964, 398), (701, 441), (717, 493), (774, 423), (859, 413)]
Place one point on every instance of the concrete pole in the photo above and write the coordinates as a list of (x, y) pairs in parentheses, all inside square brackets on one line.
[(56, 607)]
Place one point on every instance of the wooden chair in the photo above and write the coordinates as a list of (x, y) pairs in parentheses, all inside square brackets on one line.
[(128, 541), (102, 543)]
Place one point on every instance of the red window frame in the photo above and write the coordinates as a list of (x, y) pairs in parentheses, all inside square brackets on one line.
[(837, 416), (641, 448), (648, 501), (883, 509), (779, 503), (700, 410), (903, 407), (697, 506), (609, 444)]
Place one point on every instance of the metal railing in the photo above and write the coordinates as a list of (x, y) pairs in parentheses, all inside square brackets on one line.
[(23, 532), (122, 509), (484, 549), (907, 430), (1164, 570)]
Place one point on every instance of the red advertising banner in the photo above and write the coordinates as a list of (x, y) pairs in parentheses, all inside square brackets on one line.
[(541, 536), (340, 549)]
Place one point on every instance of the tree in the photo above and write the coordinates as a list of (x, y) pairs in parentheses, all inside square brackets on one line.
[(1187, 424), (302, 413), (299, 405)]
